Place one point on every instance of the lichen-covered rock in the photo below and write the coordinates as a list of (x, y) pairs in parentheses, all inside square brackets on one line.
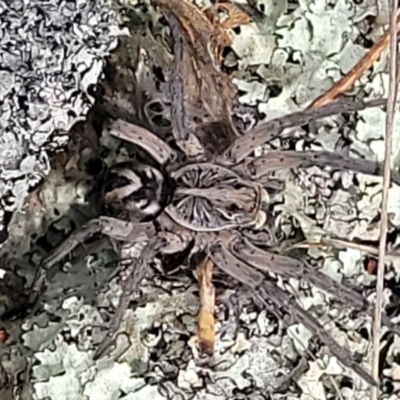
[(49, 356), (50, 54)]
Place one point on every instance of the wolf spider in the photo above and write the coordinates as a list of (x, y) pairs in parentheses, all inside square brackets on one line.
[(213, 202)]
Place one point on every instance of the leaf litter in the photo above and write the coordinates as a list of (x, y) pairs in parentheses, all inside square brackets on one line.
[(76, 379)]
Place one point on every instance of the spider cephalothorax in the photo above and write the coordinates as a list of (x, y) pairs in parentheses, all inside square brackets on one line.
[(216, 198)]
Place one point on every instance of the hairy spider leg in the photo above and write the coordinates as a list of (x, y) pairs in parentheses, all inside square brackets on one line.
[(285, 301), (276, 160), (112, 227), (164, 242), (263, 133), (238, 259)]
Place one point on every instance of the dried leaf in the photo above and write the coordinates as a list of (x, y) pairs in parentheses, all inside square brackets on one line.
[(205, 323), (371, 265)]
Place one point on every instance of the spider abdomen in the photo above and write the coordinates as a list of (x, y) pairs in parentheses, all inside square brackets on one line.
[(136, 191)]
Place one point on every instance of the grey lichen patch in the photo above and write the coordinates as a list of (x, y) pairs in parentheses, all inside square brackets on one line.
[(51, 52), (54, 198), (162, 312), (62, 350)]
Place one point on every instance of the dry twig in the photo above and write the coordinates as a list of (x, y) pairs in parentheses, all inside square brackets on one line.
[(343, 244), (363, 65), (391, 103)]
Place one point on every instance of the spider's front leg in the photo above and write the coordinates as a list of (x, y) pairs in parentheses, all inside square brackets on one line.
[(112, 227), (245, 145), (276, 160), (221, 256)]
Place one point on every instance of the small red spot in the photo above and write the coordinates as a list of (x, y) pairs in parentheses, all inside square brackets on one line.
[(371, 265), (3, 336)]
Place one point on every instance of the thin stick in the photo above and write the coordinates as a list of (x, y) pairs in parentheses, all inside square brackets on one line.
[(351, 77), (342, 244), (391, 103)]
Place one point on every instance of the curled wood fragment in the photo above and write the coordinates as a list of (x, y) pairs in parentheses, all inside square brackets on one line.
[(234, 16)]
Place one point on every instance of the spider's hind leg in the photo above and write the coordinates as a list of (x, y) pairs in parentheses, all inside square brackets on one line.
[(156, 147), (133, 275), (291, 268), (285, 301)]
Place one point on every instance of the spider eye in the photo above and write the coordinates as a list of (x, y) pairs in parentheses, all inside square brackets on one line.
[(149, 174), (265, 196), (115, 181), (142, 204)]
